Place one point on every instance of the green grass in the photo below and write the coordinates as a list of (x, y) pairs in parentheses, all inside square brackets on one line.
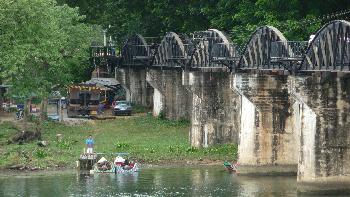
[(146, 139)]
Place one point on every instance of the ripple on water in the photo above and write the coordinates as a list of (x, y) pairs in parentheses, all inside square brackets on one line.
[(149, 182)]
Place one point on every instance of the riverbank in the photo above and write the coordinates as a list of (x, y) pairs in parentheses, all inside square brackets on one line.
[(148, 140)]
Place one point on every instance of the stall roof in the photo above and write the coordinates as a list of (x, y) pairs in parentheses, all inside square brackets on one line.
[(103, 82), (4, 86)]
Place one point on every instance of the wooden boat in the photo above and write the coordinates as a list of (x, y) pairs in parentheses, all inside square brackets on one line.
[(119, 166), (124, 166), (103, 166), (121, 169)]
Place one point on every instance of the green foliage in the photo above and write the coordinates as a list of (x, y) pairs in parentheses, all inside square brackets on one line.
[(64, 144), (161, 115), (296, 19), (40, 153), (122, 145), (146, 139), (136, 108), (43, 45)]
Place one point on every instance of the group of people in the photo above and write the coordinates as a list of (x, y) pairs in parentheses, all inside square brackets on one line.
[(124, 163)]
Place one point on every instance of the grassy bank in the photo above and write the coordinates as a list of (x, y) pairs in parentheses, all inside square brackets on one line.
[(146, 139)]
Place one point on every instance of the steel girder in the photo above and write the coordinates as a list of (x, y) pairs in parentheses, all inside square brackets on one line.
[(257, 52), (267, 49), (136, 52), (330, 49)]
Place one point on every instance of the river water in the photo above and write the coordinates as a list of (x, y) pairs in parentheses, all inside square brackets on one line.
[(202, 181)]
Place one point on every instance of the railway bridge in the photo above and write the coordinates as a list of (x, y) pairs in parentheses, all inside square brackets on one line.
[(285, 103)]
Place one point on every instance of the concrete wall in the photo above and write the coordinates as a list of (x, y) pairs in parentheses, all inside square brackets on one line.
[(324, 105), (170, 96), (135, 84), (215, 113), (268, 134)]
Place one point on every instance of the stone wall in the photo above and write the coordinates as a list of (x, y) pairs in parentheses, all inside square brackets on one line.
[(170, 96), (268, 134), (324, 105), (135, 84), (215, 113)]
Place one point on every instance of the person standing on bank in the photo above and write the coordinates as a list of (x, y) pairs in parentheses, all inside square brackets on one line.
[(90, 145)]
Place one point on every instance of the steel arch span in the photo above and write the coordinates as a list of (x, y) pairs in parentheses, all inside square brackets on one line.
[(256, 55), (213, 49), (135, 51), (330, 49), (173, 51)]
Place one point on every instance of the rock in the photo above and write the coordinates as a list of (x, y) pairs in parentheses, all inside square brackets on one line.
[(26, 136), (59, 137), (16, 167), (42, 143)]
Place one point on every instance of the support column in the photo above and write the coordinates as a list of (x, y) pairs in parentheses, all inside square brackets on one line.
[(268, 136), (215, 113), (324, 107), (170, 96), (135, 85)]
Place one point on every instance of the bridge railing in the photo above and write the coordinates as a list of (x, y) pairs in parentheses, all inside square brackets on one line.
[(288, 51), (175, 53), (103, 51), (223, 52), (134, 54)]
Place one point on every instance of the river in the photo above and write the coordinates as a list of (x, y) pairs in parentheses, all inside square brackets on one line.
[(179, 181)]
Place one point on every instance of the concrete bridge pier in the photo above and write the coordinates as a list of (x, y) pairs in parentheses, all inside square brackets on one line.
[(133, 80), (215, 108), (268, 137), (170, 96), (324, 107)]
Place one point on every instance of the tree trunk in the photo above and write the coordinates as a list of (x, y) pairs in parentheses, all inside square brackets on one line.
[(26, 113), (61, 110), (1, 99), (1, 96), (43, 113)]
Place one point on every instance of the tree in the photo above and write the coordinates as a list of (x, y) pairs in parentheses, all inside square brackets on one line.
[(297, 19), (42, 45)]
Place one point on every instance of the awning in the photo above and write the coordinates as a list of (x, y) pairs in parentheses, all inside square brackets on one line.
[(103, 82), (5, 86)]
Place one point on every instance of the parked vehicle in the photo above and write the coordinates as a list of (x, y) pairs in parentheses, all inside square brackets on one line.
[(122, 108), (83, 100)]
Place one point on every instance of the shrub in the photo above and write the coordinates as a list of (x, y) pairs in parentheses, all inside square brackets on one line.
[(64, 145), (121, 145), (40, 153)]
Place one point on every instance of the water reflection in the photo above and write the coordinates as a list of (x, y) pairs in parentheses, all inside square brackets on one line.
[(149, 182)]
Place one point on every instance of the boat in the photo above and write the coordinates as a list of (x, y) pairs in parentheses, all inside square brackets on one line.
[(103, 166), (231, 167), (124, 165), (119, 166)]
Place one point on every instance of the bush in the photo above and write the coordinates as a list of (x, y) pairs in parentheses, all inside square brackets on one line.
[(121, 145), (64, 145), (136, 108), (191, 149), (161, 115), (40, 153)]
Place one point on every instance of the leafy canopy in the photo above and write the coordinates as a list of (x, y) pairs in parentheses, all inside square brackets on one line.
[(42, 45), (295, 18)]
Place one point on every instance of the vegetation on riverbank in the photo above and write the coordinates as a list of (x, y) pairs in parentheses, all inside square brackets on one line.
[(146, 139)]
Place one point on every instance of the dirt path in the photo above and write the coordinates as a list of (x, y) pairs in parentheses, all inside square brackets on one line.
[(5, 116)]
